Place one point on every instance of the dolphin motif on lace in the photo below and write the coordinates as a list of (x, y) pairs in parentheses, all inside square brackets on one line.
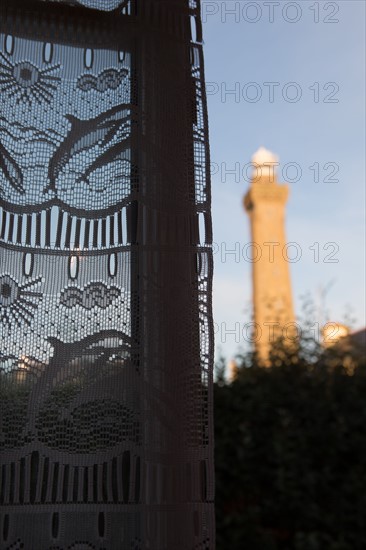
[(85, 135), (11, 170)]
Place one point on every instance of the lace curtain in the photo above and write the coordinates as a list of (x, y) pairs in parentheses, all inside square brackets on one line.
[(105, 277)]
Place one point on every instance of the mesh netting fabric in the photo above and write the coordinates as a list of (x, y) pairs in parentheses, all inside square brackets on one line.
[(102, 5), (105, 277)]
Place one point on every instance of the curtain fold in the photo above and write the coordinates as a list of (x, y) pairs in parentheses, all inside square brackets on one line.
[(106, 334)]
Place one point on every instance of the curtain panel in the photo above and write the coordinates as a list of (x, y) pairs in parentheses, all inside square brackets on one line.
[(106, 336)]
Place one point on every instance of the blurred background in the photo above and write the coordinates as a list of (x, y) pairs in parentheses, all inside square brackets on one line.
[(290, 430), (289, 76)]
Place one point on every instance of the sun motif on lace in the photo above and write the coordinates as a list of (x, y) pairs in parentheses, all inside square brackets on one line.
[(18, 303), (26, 82)]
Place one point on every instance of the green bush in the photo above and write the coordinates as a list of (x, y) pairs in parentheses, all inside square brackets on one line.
[(290, 452)]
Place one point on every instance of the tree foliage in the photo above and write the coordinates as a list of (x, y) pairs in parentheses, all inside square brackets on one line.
[(290, 452)]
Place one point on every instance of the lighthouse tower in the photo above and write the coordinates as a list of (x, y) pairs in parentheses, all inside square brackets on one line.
[(272, 296)]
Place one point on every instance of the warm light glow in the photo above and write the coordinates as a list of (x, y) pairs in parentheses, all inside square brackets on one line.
[(333, 332), (232, 370), (22, 368)]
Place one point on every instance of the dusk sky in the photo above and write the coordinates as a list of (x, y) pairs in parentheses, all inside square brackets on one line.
[(296, 71)]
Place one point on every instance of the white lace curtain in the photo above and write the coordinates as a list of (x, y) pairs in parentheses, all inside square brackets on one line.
[(105, 277)]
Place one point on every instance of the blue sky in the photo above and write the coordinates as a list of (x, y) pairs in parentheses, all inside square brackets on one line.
[(325, 126)]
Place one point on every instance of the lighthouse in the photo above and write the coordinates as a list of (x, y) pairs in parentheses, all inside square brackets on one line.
[(265, 203)]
